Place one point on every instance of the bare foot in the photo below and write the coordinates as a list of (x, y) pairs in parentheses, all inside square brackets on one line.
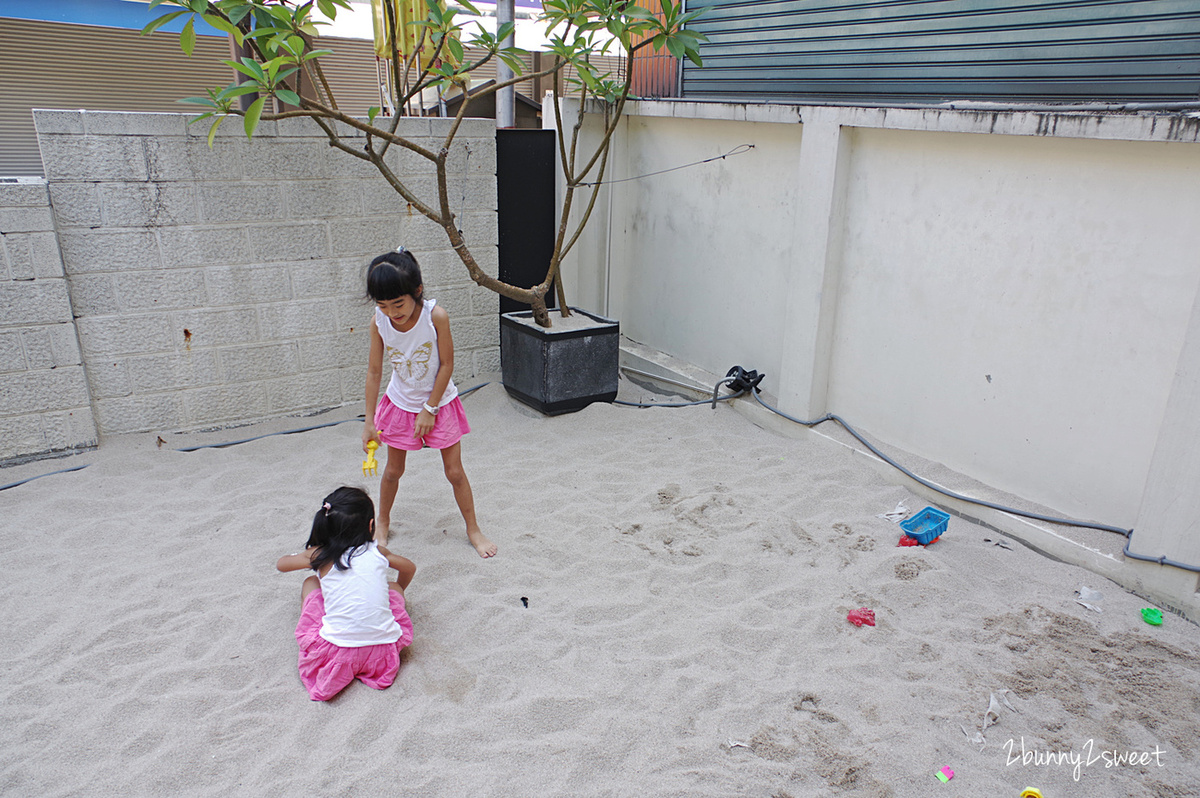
[(485, 547), (382, 530)]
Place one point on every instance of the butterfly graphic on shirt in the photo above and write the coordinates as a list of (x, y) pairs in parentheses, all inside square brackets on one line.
[(412, 370)]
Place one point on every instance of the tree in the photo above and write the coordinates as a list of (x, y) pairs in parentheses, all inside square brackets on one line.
[(282, 64)]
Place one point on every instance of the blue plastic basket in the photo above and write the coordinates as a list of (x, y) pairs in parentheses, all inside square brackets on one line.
[(926, 526)]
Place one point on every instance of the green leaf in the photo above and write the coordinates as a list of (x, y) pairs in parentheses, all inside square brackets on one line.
[(155, 24), (187, 39), (456, 49), (252, 115), (288, 96), (255, 74), (327, 8), (372, 112), (220, 24), (198, 101), (249, 87), (273, 66), (514, 62), (253, 69), (259, 33), (690, 39), (282, 14), (212, 131), (236, 15), (589, 81), (470, 7)]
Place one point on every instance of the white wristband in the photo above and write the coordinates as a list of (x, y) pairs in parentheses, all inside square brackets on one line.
[(431, 410)]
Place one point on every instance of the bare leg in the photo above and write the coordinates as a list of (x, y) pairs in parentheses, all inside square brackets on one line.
[(452, 462), (388, 484)]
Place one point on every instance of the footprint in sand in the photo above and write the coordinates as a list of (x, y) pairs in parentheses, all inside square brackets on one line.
[(807, 702), (911, 569), (863, 543), (818, 747), (669, 494)]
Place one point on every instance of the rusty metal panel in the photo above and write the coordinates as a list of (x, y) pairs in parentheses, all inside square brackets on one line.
[(655, 74)]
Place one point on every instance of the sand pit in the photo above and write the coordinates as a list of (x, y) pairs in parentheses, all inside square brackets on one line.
[(666, 617)]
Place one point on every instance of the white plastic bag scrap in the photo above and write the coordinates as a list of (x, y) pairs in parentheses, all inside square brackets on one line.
[(1089, 598), (978, 739), (992, 716), (895, 516)]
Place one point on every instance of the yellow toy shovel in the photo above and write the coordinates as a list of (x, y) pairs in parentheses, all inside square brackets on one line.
[(369, 465)]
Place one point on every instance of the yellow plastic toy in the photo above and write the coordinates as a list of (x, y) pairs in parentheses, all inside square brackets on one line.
[(370, 467), (1031, 792)]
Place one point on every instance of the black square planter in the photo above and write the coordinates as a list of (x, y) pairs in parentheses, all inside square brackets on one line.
[(559, 370)]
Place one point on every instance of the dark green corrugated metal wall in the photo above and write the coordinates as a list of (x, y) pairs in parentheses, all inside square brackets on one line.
[(917, 51)]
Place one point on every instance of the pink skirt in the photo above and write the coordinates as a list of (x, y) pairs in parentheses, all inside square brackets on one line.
[(325, 669), (396, 426)]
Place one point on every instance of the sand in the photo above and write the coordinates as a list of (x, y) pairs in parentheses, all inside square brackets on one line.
[(666, 617)]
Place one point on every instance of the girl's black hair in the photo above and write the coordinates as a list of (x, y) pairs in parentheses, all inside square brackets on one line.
[(393, 275), (341, 525)]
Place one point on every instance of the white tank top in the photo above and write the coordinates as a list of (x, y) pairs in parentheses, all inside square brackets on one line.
[(357, 609), (414, 358)]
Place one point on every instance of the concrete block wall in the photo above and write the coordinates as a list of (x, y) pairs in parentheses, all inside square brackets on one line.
[(214, 286), (44, 403)]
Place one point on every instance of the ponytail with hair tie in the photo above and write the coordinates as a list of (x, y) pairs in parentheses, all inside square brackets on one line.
[(339, 536)]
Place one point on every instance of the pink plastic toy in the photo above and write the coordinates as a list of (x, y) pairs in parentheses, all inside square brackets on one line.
[(861, 616)]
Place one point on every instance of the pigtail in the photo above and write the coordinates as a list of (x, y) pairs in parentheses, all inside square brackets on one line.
[(341, 526)]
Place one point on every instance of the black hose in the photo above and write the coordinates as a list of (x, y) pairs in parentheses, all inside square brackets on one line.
[(226, 443), (1128, 533)]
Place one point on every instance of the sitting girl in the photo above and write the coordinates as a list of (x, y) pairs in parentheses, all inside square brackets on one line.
[(352, 619)]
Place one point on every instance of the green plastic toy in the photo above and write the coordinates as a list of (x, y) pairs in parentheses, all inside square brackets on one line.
[(1152, 616)]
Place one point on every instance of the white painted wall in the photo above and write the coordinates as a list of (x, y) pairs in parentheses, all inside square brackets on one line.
[(705, 279), (882, 264), (1014, 306), (1169, 522)]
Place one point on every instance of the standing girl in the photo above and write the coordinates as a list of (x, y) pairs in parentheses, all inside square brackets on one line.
[(352, 619), (421, 405)]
